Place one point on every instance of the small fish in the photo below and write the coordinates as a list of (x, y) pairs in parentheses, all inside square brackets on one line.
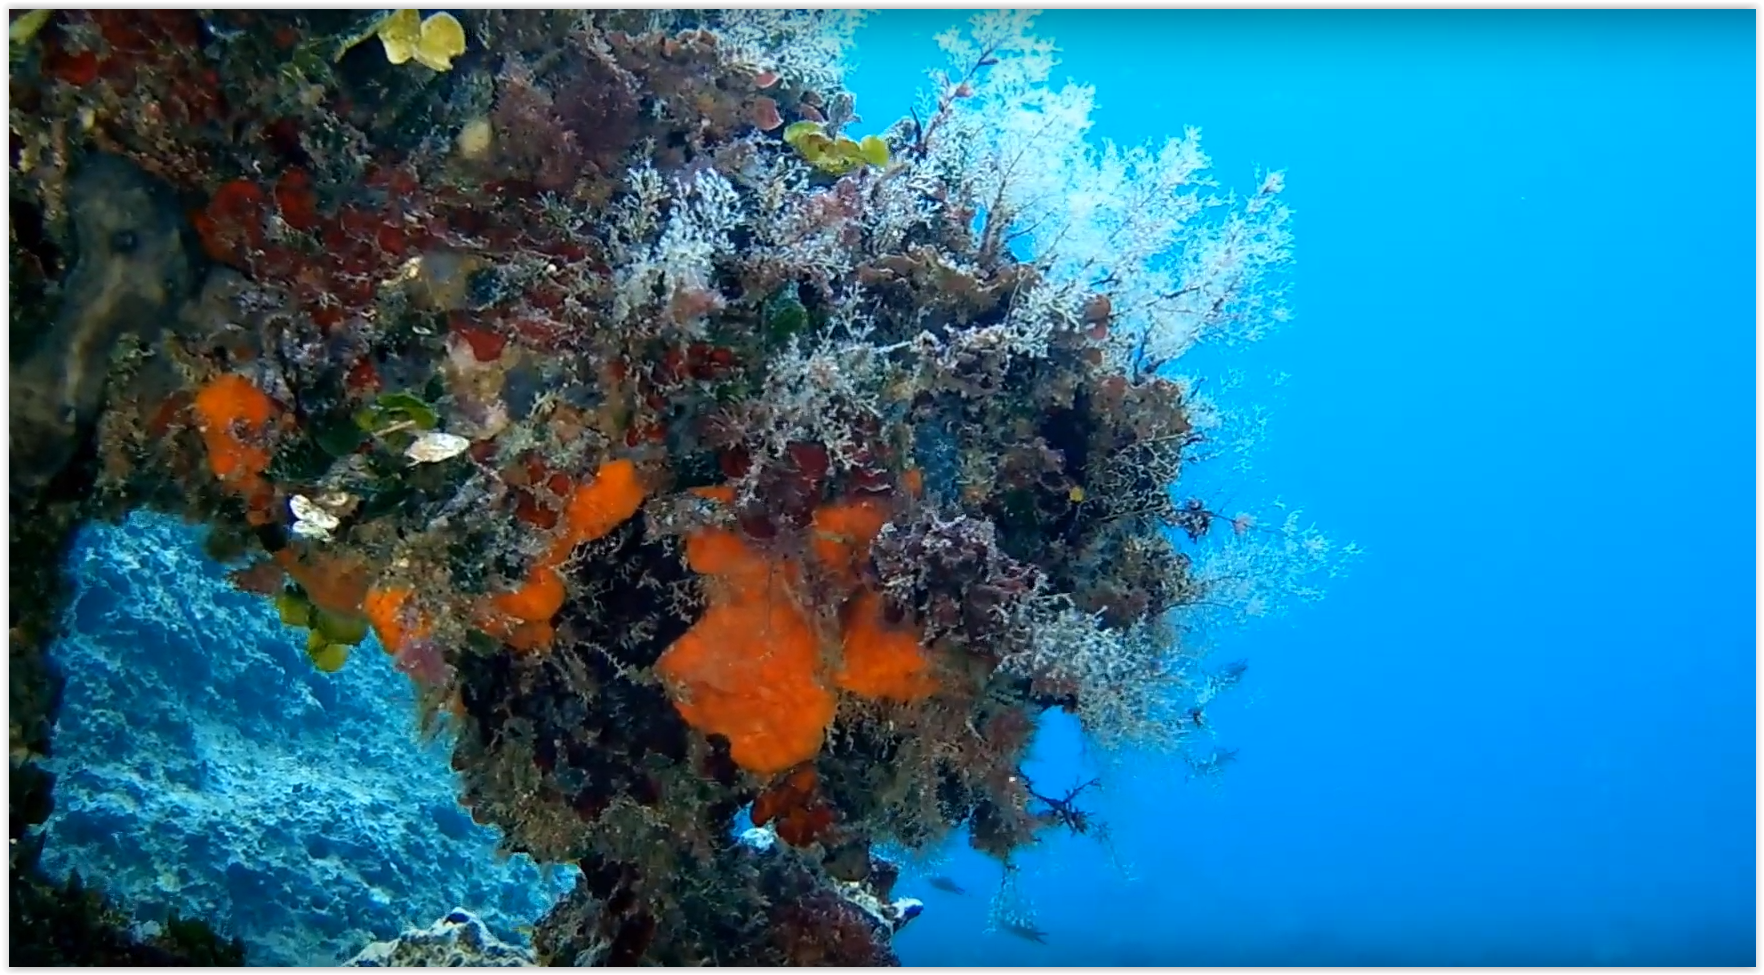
[(1028, 932), (946, 885), (436, 446)]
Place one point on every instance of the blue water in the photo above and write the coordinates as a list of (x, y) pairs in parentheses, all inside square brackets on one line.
[(1521, 377)]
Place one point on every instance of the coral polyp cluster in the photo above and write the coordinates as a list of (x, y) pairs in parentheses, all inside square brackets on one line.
[(690, 455)]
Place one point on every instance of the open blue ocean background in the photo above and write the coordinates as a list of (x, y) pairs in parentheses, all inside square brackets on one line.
[(1521, 377), (1522, 731)]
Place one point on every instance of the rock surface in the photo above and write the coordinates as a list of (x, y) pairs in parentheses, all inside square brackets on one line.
[(206, 766), (459, 940)]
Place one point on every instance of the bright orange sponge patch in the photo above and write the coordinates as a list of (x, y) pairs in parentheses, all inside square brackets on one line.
[(605, 503), (538, 600), (227, 401), (881, 660), (752, 669), (746, 670)]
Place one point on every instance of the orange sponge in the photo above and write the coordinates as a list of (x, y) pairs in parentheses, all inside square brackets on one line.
[(603, 504), (752, 668), (881, 660), (537, 600), (384, 608), (747, 670), (739, 572), (224, 402), (226, 407), (522, 618), (843, 531)]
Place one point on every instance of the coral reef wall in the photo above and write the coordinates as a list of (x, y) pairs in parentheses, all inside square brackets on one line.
[(695, 447), (207, 767)]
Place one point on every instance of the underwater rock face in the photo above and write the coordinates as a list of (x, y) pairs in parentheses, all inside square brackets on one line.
[(132, 272), (459, 940), (869, 895), (206, 765)]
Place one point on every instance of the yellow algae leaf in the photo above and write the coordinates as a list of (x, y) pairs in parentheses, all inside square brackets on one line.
[(400, 34), (330, 658), (441, 40), (843, 156), (339, 627), (324, 654), (873, 150), (27, 25), (432, 42), (293, 610), (795, 132)]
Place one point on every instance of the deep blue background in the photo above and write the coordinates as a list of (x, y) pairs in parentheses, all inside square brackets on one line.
[(1522, 377)]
